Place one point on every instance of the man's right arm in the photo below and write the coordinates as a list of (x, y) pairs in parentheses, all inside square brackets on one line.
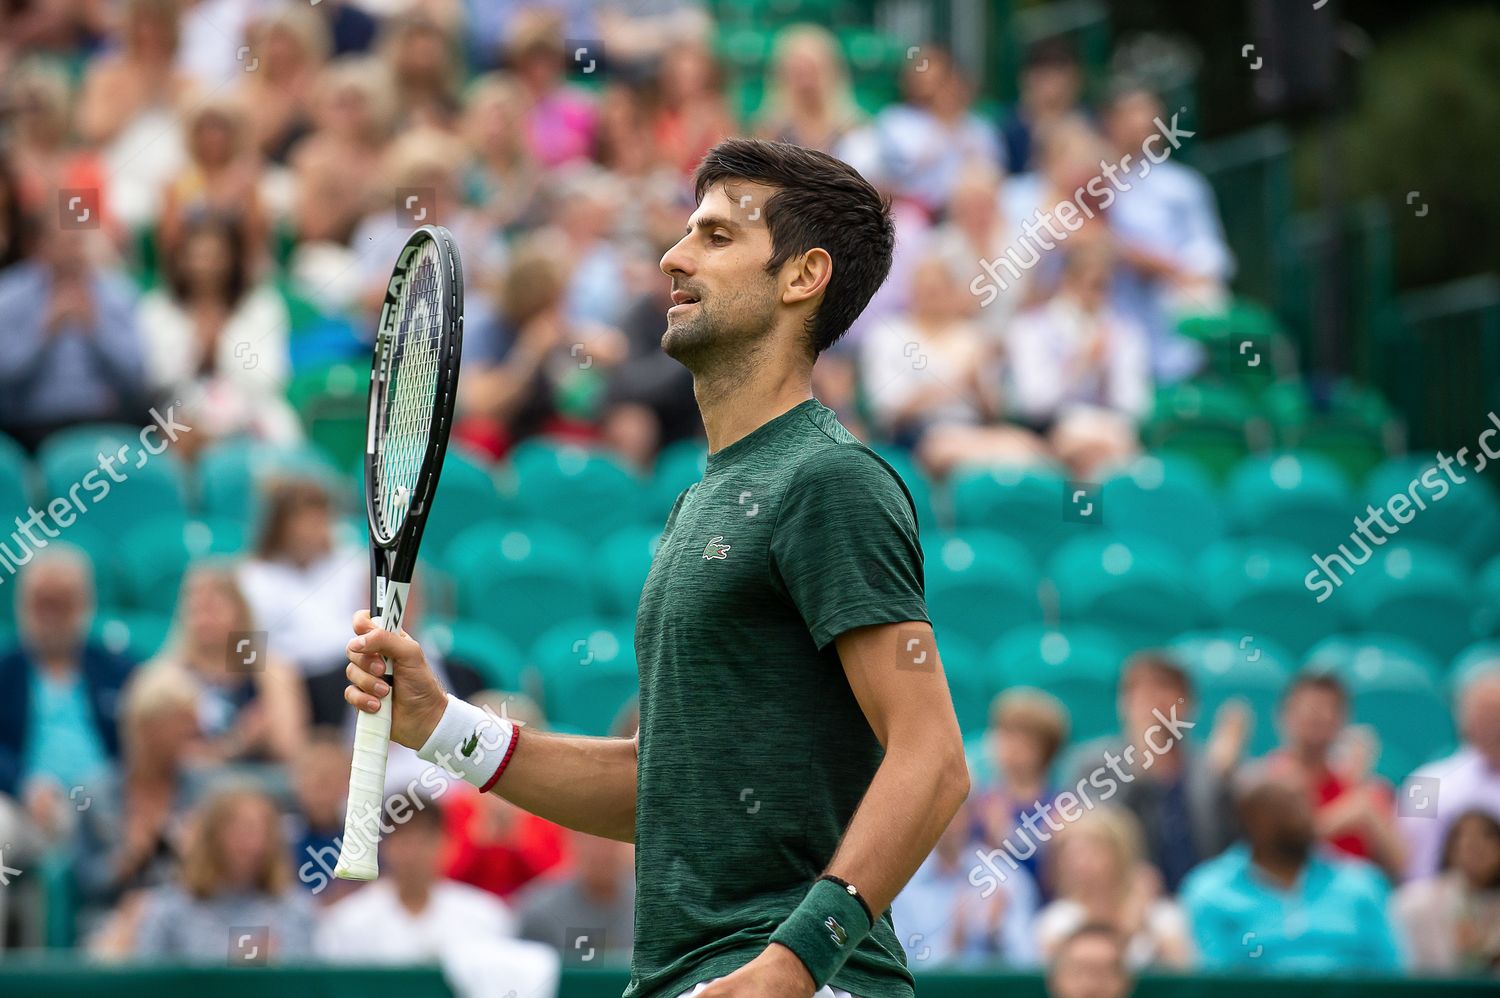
[(586, 784)]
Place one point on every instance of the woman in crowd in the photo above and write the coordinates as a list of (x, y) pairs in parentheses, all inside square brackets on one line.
[(691, 116), (235, 893), (420, 53), (251, 707), (1027, 729), (222, 177), (809, 101), (286, 47), (503, 179), (354, 107), (1101, 876), (216, 340), (560, 119), (1452, 920)]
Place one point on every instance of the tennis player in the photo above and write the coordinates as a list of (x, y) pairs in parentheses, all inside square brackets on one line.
[(798, 754)]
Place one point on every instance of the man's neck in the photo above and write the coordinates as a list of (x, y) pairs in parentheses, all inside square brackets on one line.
[(734, 407), (1280, 870)]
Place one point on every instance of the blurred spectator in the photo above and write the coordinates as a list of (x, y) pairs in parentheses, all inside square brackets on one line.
[(1452, 920), (1101, 877), (1027, 729), (422, 914), (217, 339), (978, 228), (1176, 259), (1089, 963), (320, 780), (130, 833), (353, 111), (1080, 369), (1179, 793), (212, 32), (45, 157), (1050, 86), (220, 178), (304, 589), (637, 34), (59, 689), (351, 29), (14, 218), (420, 53), (285, 48), (1355, 811), (624, 116), (503, 180), (71, 352), (560, 119), (234, 894), (251, 708), (587, 204), (1275, 904), (129, 106), (496, 846), (917, 148), (1434, 795), (809, 100), (691, 116), (596, 898), (942, 918)]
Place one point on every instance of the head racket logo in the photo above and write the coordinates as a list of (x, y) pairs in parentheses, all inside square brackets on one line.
[(414, 370)]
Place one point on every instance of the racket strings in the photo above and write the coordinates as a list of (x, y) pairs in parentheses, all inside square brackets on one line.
[(410, 391)]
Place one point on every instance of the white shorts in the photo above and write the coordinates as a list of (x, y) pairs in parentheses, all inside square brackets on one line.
[(824, 992)]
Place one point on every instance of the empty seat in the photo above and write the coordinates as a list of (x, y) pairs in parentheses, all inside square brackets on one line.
[(1300, 498), (520, 579), (1138, 590), (587, 671), (1079, 665), (1168, 500), (980, 584)]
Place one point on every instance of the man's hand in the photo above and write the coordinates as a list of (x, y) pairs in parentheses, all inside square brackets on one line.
[(776, 973), (420, 699)]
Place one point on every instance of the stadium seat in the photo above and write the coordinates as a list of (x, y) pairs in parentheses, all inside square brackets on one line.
[(1139, 590), (1464, 518), (970, 683), (1079, 665), (151, 485), (155, 554), (1487, 594), (333, 403), (15, 477), (1207, 423), (1256, 586), (980, 584), (1480, 657), (466, 495), (625, 560), (586, 491), (232, 475), (679, 465), (520, 579), (1300, 498), (1227, 666), (1367, 653), (1170, 500), (139, 636), (498, 660), (1028, 504), (587, 671), (1416, 591)]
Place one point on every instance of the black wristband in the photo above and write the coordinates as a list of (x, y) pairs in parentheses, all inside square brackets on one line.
[(853, 892)]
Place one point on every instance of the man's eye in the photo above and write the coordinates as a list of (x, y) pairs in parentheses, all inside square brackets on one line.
[(719, 239)]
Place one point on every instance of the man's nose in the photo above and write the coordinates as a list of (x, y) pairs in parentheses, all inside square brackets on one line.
[(677, 260)]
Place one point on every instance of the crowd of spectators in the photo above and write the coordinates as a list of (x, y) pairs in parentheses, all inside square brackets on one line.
[(199, 199)]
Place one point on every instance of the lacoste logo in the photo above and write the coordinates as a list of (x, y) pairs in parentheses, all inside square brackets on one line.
[(468, 747), (835, 931), (715, 549)]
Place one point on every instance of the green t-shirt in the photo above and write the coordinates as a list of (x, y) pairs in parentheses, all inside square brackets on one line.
[(754, 752)]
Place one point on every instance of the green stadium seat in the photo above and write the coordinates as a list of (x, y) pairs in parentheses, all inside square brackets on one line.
[(1029, 504), (1354, 430), (1368, 653), (1205, 422), (333, 403), (1464, 518), (588, 491), (625, 560), (1244, 344), (1139, 590), (1299, 498), (155, 555), (138, 636), (679, 465), (520, 579), (1079, 665), (498, 660), (969, 682), (587, 671), (1256, 586), (1416, 591), (980, 584), (152, 485), (1168, 500), (1480, 657), (1487, 594), (1227, 666), (232, 475), (466, 495), (15, 477)]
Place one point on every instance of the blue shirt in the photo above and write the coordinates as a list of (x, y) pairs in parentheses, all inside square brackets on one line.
[(1332, 920), (940, 917), (62, 741)]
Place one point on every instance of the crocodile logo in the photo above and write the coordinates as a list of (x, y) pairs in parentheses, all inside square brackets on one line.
[(716, 549), (468, 747), (835, 931)]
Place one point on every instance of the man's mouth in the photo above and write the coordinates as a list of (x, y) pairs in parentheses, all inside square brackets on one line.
[(682, 301)]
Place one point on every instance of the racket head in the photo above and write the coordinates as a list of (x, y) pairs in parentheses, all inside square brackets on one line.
[(413, 382)]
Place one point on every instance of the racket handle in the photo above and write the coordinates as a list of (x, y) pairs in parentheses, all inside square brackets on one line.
[(359, 846)]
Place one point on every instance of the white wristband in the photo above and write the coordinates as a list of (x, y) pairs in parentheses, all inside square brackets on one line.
[(471, 743)]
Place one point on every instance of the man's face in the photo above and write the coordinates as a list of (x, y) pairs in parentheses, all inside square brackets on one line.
[(1312, 719), (1479, 717), (724, 302), (1088, 967), (55, 604)]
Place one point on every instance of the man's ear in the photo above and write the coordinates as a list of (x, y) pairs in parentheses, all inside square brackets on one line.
[(806, 276)]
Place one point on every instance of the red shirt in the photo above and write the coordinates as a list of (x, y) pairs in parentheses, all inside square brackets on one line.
[(530, 847)]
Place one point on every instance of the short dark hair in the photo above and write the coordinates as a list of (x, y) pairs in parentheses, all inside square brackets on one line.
[(1474, 815), (1322, 681), (822, 202), (1159, 664)]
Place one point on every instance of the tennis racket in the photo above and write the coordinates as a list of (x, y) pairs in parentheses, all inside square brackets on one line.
[(413, 379)]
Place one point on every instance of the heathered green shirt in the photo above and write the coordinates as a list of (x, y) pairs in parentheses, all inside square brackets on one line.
[(753, 750)]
